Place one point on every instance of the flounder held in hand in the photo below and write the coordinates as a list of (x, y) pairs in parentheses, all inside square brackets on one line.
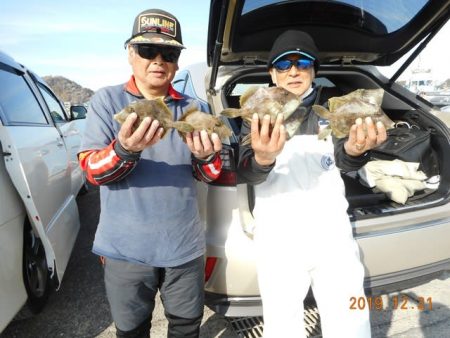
[(157, 110), (199, 120), (344, 110), (269, 101)]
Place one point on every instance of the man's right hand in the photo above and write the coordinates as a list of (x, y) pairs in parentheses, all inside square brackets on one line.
[(267, 144), (147, 134)]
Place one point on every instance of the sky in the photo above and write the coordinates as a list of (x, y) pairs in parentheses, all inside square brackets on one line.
[(83, 40)]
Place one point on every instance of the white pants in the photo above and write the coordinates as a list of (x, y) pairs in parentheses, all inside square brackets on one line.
[(303, 237), (284, 277)]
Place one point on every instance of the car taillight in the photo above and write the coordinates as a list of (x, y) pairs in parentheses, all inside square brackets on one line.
[(209, 267), (228, 176)]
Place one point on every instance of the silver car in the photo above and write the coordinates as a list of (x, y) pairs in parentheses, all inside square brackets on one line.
[(401, 245), (39, 181)]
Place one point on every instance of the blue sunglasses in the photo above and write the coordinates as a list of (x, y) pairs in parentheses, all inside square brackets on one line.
[(286, 64)]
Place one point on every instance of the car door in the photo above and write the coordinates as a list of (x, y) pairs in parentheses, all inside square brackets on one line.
[(69, 130), (37, 162)]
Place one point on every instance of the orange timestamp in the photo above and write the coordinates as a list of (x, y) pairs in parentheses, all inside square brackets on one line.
[(396, 302)]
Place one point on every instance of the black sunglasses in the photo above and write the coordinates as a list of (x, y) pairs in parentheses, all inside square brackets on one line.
[(168, 54)]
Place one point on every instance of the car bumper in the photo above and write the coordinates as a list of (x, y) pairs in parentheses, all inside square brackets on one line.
[(406, 279), (233, 306)]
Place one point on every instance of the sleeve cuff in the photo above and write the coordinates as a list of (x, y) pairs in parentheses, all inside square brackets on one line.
[(261, 168), (207, 160), (125, 154), (361, 157)]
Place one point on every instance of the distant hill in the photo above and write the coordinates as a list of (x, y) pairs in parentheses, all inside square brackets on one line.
[(67, 90), (445, 84)]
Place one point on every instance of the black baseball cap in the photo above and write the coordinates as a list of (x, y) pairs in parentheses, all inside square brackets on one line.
[(294, 42), (155, 26)]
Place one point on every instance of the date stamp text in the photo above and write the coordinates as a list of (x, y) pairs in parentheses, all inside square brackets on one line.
[(396, 302)]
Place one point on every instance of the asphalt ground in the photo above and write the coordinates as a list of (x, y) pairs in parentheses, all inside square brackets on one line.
[(80, 309)]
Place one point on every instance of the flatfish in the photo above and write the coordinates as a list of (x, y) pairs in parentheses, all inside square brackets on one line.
[(199, 120), (344, 110), (157, 110), (269, 101)]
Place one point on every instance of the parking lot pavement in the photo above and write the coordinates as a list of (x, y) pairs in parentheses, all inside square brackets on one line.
[(80, 309), (423, 311)]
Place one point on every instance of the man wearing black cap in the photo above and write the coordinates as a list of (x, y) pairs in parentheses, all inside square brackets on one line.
[(149, 234), (302, 227)]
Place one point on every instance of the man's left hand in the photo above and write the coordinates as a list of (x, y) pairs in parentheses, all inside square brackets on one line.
[(201, 145), (364, 136)]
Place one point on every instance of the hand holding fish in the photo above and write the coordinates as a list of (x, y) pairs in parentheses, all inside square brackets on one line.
[(202, 145), (267, 144), (147, 134), (364, 136), (152, 119)]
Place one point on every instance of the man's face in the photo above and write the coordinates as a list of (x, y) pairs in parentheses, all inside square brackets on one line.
[(154, 66), (296, 80)]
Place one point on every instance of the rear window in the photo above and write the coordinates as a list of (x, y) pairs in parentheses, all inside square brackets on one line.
[(241, 88), (372, 16)]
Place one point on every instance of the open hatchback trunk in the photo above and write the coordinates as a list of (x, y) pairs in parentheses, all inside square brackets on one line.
[(408, 114), (352, 39)]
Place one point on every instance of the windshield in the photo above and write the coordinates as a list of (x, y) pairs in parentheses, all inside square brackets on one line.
[(391, 14)]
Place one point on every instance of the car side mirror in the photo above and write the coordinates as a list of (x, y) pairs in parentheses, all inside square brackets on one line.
[(78, 112)]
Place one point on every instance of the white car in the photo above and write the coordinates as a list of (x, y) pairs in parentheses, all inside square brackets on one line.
[(39, 181), (401, 245)]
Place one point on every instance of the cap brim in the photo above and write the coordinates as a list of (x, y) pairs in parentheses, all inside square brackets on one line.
[(156, 39), (309, 56)]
